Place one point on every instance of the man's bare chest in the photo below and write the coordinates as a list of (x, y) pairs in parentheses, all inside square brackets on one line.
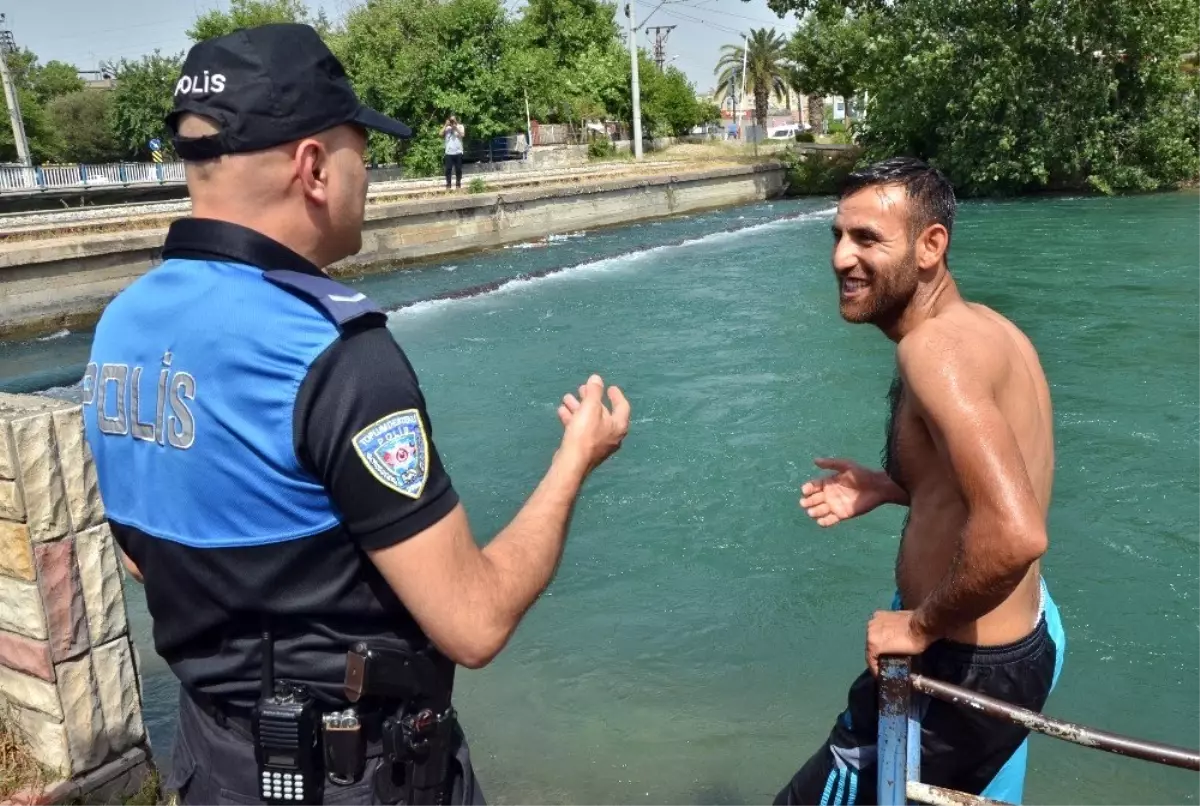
[(910, 456)]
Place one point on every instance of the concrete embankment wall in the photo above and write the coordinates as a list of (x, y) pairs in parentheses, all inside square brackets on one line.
[(65, 282), (69, 681)]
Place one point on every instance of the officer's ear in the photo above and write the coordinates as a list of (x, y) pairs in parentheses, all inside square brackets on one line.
[(312, 169)]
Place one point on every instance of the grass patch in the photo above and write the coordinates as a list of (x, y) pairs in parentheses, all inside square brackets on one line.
[(477, 185), (150, 793), (19, 769), (722, 151)]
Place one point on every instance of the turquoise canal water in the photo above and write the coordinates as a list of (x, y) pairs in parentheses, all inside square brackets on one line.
[(701, 633)]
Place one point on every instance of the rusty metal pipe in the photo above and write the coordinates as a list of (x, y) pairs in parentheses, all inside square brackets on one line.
[(937, 796), (1088, 737)]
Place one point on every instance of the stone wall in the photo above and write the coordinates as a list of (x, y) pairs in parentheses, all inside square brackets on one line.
[(66, 282), (68, 669)]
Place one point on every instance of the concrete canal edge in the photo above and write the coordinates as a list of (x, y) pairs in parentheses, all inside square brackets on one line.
[(70, 683), (46, 285)]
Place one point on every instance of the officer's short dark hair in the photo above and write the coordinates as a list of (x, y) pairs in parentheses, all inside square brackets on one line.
[(930, 194)]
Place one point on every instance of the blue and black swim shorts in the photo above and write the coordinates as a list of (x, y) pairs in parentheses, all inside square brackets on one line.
[(960, 748)]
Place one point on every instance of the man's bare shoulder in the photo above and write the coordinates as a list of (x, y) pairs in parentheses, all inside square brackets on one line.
[(952, 347)]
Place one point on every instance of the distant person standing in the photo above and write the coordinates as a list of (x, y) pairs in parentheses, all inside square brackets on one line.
[(453, 133)]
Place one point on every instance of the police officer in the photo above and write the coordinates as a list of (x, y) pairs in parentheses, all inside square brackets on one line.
[(267, 462)]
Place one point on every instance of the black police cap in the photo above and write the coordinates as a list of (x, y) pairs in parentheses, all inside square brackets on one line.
[(265, 86)]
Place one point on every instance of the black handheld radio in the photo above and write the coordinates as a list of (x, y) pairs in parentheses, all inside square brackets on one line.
[(286, 733)]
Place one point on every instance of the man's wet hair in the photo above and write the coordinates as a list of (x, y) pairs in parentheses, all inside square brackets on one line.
[(930, 194)]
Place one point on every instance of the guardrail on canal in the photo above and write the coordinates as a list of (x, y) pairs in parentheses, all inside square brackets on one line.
[(899, 740)]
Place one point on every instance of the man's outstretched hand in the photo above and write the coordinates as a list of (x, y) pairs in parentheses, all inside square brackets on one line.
[(849, 491), (593, 432)]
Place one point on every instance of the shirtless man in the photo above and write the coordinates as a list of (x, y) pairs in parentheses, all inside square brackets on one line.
[(970, 452)]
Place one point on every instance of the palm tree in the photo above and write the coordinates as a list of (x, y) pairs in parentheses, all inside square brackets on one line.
[(766, 68)]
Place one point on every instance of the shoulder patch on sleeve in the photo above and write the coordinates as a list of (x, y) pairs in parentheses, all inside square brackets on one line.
[(396, 451), (340, 303)]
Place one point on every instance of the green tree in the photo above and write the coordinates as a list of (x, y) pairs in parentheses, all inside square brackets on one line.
[(421, 60), (669, 105), (250, 13), (568, 55), (568, 28), (766, 68), (1015, 97), (707, 112), (54, 79), (82, 121), (828, 54), (1046, 96), (141, 101)]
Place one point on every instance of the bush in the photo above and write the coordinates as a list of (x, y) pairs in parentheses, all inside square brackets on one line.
[(817, 174), (477, 185), (601, 147), (805, 137)]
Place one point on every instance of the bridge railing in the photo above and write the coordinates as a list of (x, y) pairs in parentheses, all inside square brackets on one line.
[(899, 739), (23, 179)]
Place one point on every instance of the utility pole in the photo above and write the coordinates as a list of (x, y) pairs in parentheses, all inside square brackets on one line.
[(734, 89), (637, 93), (745, 49), (660, 41), (528, 128), (7, 46)]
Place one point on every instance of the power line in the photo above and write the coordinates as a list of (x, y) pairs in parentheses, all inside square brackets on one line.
[(708, 23), (660, 41), (731, 14)]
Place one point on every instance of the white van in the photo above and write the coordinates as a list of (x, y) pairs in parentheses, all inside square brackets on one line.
[(787, 132)]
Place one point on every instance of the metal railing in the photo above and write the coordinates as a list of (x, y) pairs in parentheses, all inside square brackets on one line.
[(26, 179), (22, 178), (899, 740)]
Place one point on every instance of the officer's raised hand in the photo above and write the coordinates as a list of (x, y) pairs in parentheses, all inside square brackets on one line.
[(468, 600), (593, 433)]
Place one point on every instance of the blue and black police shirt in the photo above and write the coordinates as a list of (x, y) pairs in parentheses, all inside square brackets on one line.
[(256, 428)]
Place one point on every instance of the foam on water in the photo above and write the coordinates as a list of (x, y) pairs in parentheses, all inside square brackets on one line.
[(604, 265), (61, 334)]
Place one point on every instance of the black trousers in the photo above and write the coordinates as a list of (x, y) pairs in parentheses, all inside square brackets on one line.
[(454, 163), (212, 763)]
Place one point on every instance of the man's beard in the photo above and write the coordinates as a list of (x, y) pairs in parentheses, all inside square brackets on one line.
[(888, 295)]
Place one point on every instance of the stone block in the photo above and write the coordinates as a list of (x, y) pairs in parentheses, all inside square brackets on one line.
[(26, 655), (78, 470), (113, 782), (30, 692), (11, 504), (114, 790), (46, 738), (8, 465), (87, 736), (101, 577), (62, 598), (119, 694), (37, 460), (16, 553), (21, 608)]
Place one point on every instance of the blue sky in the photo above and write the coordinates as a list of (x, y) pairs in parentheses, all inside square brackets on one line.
[(86, 32)]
